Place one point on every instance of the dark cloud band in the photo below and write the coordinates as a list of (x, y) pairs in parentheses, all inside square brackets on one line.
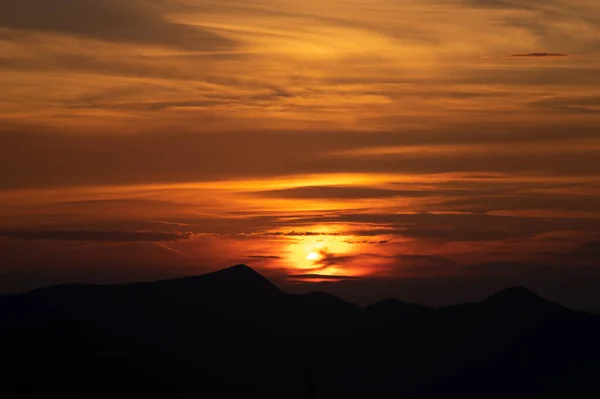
[(539, 55)]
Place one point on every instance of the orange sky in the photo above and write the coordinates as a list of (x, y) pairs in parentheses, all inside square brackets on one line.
[(388, 140)]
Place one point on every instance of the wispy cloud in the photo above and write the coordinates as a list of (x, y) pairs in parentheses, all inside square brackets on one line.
[(322, 277), (99, 236), (264, 257), (110, 20), (539, 55), (296, 234), (340, 192), (172, 250), (179, 224)]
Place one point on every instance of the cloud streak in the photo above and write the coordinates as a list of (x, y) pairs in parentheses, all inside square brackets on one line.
[(98, 236), (322, 277), (538, 55), (341, 192), (264, 257), (111, 20)]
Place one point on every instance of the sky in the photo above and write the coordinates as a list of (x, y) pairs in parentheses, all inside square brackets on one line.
[(430, 150)]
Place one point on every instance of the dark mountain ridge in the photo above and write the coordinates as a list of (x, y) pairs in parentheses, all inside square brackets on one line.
[(233, 332)]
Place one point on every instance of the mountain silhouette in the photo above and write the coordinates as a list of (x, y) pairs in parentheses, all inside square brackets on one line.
[(518, 297), (396, 308), (233, 333), (241, 278)]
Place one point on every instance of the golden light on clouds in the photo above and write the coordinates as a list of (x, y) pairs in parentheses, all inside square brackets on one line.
[(328, 57)]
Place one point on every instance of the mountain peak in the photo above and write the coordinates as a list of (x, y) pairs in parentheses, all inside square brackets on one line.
[(241, 268), (240, 271), (516, 293), (241, 277), (519, 296)]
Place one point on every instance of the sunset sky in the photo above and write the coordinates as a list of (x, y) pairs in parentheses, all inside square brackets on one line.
[(432, 150)]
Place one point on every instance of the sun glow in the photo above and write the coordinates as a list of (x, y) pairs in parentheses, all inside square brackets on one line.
[(313, 256), (317, 254)]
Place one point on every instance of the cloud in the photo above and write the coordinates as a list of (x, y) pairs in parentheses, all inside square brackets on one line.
[(436, 227), (186, 156), (178, 224), (332, 259), (328, 259), (414, 263), (340, 192), (99, 236), (380, 242), (119, 201), (577, 104), (558, 201), (427, 259), (295, 234), (283, 93), (590, 248), (109, 20), (172, 250), (322, 277), (264, 257), (586, 253), (539, 55), (503, 4), (455, 227)]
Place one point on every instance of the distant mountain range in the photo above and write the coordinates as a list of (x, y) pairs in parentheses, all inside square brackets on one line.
[(234, 334)]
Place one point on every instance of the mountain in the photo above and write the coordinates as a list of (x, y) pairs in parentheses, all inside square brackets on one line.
[(233, 333), (395, 308), (395, 318), (516, 343)]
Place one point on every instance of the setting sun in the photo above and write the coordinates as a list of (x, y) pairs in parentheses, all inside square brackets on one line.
[(313, 256)]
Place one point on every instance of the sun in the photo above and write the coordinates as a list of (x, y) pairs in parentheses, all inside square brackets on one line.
[(313, 252), (313, 256)]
